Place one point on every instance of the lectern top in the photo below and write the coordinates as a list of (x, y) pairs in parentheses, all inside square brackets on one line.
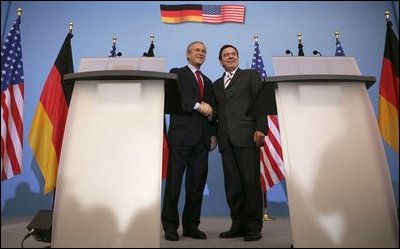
[(368, 80), (119, 75)]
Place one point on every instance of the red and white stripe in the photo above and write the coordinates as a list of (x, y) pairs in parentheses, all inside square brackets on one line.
[(12, 102), (229, 13), (271, 159)]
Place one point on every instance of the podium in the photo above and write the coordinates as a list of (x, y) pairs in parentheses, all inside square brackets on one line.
[(337, 177), (109, 178)]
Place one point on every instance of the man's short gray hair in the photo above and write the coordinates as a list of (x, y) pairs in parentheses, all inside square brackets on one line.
[(189, 47)]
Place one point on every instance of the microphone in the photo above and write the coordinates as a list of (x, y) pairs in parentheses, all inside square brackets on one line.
[(289, 52), (119, 54), (315, 52)]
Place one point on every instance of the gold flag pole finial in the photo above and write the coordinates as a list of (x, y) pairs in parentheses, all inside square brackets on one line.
[(114, 40), (70, 25), (256, 38), (151, 38), (337, 35), (299, 37), (19, 11), (387, 16)]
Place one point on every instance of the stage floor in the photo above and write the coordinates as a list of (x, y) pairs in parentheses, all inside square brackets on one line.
[(276, 234)]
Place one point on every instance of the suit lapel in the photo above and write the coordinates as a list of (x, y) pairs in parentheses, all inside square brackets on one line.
[(192, 80), (220, 84), (207, 85)]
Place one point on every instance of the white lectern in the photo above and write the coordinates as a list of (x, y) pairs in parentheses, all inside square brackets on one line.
[(338, 182), (109, 177)]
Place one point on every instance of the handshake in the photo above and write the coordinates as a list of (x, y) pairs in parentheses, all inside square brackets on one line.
[(205, 109)]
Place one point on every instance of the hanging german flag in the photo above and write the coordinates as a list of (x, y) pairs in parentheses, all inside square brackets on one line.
[(388, 116), (47, 130), (202, 13)]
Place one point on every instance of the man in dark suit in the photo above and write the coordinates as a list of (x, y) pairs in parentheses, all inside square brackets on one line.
[(191, 136), (239, 139)]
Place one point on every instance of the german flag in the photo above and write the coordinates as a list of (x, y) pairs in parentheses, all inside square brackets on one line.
[(47, 130), (388, 116), (181, 13)]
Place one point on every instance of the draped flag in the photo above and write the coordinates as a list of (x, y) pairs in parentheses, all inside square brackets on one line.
[(388, 114), (301, 52), (339, 50), (271, 159), (47, 130), (202, 13), (12, 102), (113, 51)]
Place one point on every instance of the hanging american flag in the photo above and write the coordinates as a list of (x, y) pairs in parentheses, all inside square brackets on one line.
[(339, 50), (12, 102), (271, 159), (113, 51)]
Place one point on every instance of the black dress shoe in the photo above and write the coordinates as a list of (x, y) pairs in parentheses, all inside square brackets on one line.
[(194, 233), (231, 234), (171, 235), (252, 236)]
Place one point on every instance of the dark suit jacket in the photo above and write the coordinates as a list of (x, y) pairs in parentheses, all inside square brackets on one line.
[(232, 104), (187, 129)]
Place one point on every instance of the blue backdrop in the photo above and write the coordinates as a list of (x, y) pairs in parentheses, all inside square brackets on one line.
[(362, 28)]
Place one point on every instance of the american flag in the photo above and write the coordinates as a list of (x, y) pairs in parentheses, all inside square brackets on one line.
[(113, 51), (223, 13), (339, 50), (271, 159), (12, 102)]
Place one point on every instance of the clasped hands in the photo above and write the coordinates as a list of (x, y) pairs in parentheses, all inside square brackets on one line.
[(205, 109)]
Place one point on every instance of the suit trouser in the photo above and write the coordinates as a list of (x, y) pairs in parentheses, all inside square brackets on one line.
[(193, 159), (241, 167)]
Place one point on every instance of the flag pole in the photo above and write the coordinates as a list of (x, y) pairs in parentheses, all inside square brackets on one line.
[(266, 217), (387, 16), (70, 26), (264, 195), (300, 46), (388, 23), (150, 52), (337, 36)]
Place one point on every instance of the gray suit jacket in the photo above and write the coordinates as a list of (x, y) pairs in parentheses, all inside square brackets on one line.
[(231, 107)]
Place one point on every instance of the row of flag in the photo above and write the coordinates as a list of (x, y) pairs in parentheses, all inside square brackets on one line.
[(338, 51), (47, 129)]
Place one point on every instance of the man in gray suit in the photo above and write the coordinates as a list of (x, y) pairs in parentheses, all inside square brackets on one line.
[(239, 137)]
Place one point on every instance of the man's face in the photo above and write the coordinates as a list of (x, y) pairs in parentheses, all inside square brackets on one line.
[(229, 59), (197, 55)]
